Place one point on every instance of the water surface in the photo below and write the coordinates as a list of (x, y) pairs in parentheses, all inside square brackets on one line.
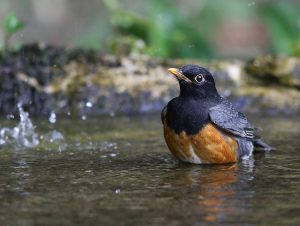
[(118, 171)]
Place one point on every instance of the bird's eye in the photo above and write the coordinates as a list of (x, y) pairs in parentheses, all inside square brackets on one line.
[(199, 78)]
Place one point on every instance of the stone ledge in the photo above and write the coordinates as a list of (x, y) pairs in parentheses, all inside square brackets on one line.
[(47, 78)]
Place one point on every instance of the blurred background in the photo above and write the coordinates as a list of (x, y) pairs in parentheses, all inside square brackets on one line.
[(170, 29)]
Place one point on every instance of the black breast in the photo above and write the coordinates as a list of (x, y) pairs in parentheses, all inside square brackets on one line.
[(187, 115)]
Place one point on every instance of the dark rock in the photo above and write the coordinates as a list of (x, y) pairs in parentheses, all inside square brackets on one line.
[(53, 79)]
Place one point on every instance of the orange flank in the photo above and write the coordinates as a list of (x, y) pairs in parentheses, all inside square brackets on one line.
[(210, 145)]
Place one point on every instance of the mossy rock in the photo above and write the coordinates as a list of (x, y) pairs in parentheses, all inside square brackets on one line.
[(274, 70), (272, 100), (46, 79)]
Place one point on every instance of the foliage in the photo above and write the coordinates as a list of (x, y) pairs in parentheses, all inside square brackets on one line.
[(283, 23), (180, 29), (12, 25), (164, 30), (170, 32)]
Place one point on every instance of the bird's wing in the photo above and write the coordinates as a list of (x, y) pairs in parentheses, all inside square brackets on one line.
[(226, 117)]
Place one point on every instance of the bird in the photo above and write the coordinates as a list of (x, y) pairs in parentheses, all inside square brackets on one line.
[(202, 127)]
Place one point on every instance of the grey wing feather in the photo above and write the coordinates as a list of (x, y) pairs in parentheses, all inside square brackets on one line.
[(225, 116)]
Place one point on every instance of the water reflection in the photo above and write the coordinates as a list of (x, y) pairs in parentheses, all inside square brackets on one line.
[(21, 175), (140, 183), (214, 192)]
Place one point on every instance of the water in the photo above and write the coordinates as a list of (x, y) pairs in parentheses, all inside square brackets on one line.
[(118, 171), (22, 135)]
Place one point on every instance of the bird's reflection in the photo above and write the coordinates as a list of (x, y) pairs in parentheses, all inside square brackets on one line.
[(215, 189), (216, 192)]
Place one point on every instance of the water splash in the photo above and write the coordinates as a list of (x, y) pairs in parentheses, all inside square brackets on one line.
[(52, 118), (53, 136), (23, 135), (55, 139)]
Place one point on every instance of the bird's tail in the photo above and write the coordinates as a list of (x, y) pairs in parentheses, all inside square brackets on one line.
[(261, 144)]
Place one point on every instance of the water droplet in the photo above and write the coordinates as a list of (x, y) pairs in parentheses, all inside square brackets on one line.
[(88, 104), (251, 3), (54, 136), (83, 117), (52, 118), (10, 116), (112, 154), (117, 191), (68, 113)]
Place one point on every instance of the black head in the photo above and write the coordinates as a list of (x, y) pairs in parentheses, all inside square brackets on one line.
[(195, 81)]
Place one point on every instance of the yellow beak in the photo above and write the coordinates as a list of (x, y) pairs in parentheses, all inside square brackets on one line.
[(178, 74)]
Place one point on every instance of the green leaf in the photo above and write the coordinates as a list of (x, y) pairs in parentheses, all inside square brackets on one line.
[(281, 20), (13, 24)]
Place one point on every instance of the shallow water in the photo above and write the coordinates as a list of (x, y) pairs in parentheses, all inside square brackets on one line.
[(118, 171)]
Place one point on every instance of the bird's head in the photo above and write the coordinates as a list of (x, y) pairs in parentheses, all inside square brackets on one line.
[(195, 81)]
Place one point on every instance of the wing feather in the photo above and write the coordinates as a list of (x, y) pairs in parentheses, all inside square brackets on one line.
[(225, 116)]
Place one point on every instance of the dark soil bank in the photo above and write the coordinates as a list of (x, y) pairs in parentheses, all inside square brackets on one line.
[(49, 79)]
